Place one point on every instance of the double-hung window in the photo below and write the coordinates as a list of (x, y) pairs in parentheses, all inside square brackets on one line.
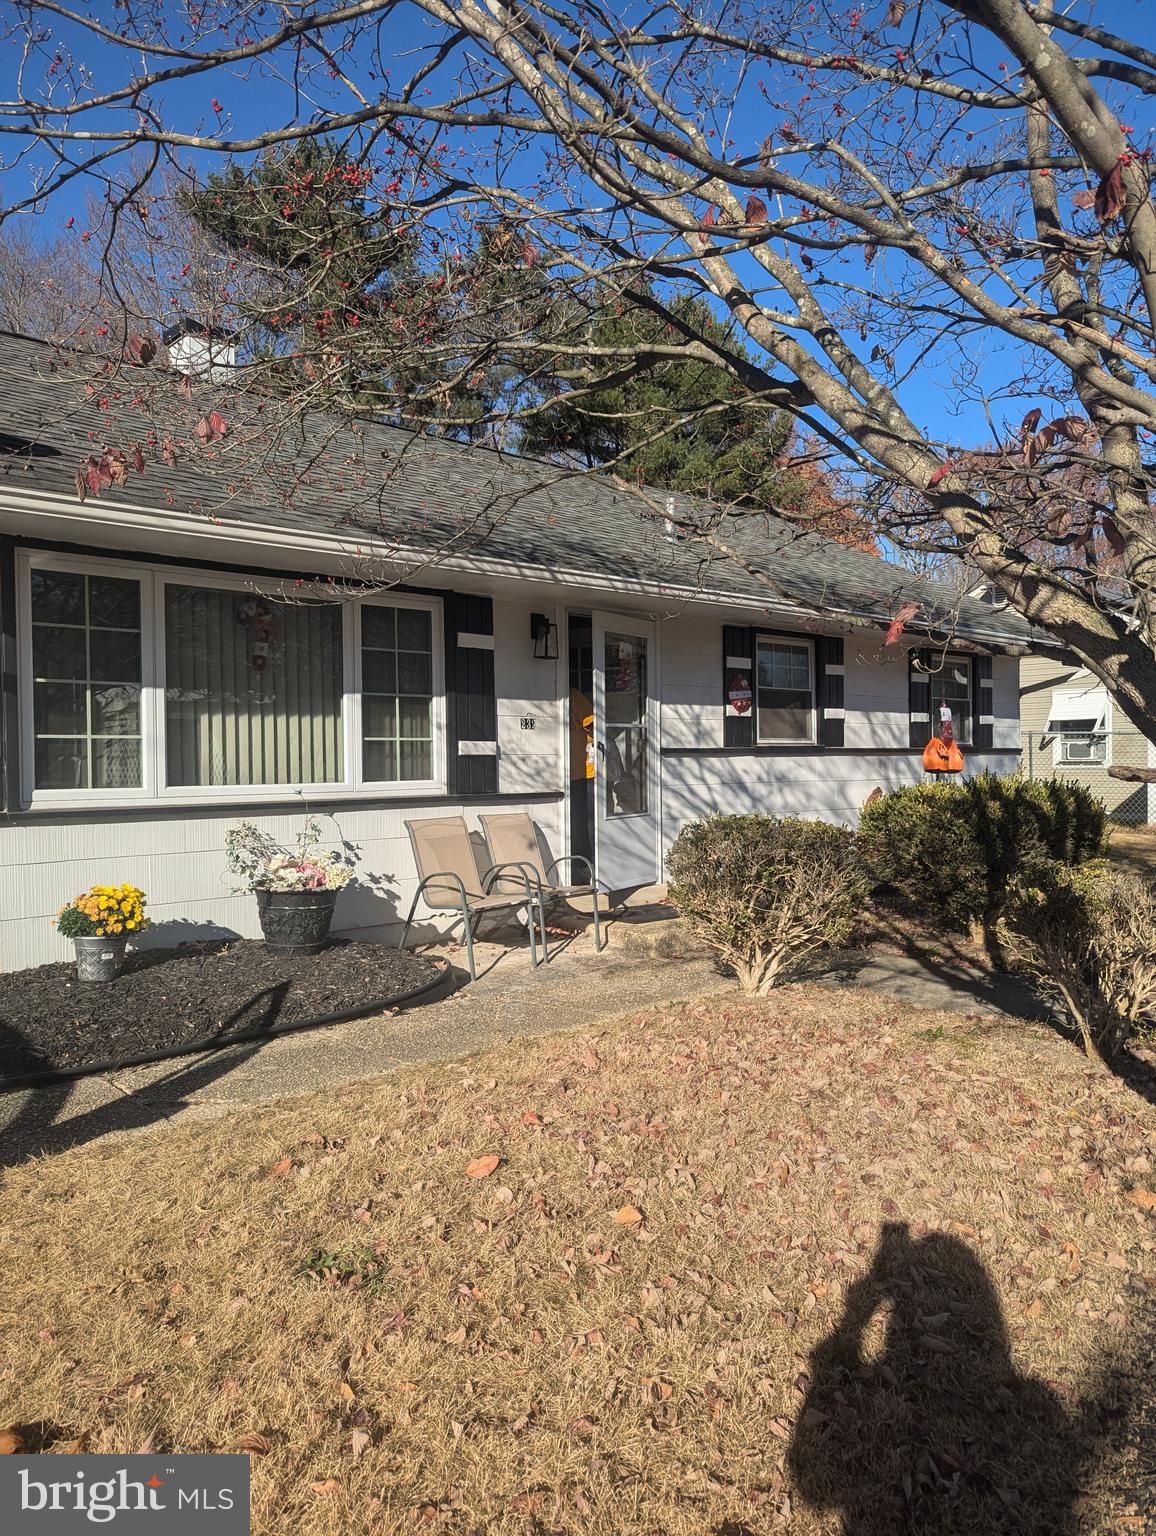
[(85, 633), (145, 684), (951, 685), (785, 691), (398, 662)]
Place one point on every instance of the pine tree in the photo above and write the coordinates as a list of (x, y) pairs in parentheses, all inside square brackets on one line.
[(682, 425)]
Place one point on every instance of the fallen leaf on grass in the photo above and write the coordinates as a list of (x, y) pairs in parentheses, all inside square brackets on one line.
[(937, 1346), (628, 1216), (358, 1440), (528, 1503), (323, 1489), (281, 1170), (1144, 1198), (255, 1443), (482, 1167), (347, 1392)]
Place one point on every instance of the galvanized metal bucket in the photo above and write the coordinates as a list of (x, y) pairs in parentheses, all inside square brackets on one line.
[(98, 959)]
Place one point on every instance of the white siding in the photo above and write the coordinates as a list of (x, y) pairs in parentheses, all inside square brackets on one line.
[(530, 759), (691, 681), (875, 693), (1005, 674), (178, 859), (698, 777)]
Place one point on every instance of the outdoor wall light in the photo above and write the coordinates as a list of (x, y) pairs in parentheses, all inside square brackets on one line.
[(544, 634)]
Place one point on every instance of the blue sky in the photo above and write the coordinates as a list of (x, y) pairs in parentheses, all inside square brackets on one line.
[(251, 103)]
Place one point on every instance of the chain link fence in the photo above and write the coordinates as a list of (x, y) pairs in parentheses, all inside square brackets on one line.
[(1087, 759)]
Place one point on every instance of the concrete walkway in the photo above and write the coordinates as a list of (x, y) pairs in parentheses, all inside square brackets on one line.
[(509, 999), (647, 960)]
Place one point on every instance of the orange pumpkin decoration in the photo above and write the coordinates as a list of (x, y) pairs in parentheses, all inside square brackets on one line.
[(941, 756)]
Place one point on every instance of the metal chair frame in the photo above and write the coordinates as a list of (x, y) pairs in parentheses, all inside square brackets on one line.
[(595, 888), (470, 916), (547, 892)]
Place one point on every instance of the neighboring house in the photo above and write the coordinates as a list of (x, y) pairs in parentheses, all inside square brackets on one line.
[(1072, 729), (166, 672)]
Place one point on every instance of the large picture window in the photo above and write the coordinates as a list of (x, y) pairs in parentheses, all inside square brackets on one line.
[(146, 684), (785, 692), (86, 681), (253, 689)]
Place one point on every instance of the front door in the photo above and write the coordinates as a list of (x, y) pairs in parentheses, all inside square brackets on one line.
[(625, 742)]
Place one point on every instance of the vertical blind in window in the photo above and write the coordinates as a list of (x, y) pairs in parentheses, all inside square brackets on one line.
[(86, 669), (396, 694), (253, 689)]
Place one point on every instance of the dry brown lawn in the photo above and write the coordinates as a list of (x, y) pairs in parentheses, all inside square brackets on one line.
[(1134, 849), (817, 1263)]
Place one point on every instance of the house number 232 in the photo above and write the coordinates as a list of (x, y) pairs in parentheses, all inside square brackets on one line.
[(528, 722)]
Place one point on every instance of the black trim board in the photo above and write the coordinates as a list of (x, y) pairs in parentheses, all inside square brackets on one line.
[(809, 749), (471, 695), (828, 691), (315, 805), (739, 730), (9, 700)]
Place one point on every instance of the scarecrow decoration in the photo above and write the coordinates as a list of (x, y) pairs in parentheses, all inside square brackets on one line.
[(941, 754)]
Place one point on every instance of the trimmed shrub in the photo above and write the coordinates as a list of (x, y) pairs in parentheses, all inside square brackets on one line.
[(765, 892), (957, 848), (1089, 937)]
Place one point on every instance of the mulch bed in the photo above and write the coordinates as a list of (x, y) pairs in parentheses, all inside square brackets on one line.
[(171, 997)]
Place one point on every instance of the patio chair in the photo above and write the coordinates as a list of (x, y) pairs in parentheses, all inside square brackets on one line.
[(513, 842), (449, 882)]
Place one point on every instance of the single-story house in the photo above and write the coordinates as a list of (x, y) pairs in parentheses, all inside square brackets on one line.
[(1074, 729), (421, 627)]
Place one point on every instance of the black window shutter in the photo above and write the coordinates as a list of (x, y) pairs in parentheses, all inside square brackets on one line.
[(9, 713), (829, 653), (738, 662), (471, 702), (919, 700), (982, 730)]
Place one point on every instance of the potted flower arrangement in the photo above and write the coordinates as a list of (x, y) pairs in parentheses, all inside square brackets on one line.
[(296, 888), (100, 923)]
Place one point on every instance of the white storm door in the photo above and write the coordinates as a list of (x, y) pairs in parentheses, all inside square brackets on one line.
[(626, 849)]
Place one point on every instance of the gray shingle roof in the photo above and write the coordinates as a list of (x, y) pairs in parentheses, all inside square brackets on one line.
[(380, 482)]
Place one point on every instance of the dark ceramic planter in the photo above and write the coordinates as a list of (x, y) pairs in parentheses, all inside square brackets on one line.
[(295, 922)]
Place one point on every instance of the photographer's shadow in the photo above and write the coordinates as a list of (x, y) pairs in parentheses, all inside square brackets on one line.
[(936, 1433)]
